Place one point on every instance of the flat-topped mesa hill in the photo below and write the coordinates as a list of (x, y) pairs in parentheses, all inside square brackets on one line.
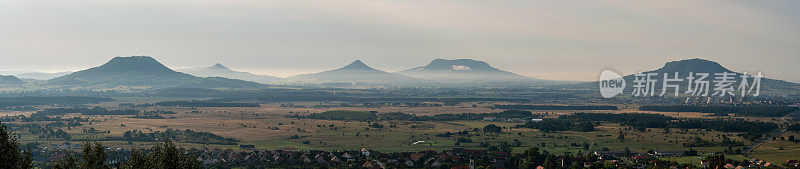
[(697, 65), (143, 71), (691, 65), (462, 70)]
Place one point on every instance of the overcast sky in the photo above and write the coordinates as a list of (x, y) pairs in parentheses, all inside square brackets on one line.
[(545, 39)]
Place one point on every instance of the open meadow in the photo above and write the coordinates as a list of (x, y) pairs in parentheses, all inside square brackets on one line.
[(278, 126)]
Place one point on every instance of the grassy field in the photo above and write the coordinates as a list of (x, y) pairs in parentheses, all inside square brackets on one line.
[(696, 159), (779, 150), (269, 127)]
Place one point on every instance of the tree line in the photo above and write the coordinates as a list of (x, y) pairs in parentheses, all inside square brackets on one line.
[(96, 111), (581, 121), (187, 136), (204, 104), (37, 100), (554, 107), (372, 115), (741, 110), (551, 125), (507, 114), (162, 155), (86, 111)]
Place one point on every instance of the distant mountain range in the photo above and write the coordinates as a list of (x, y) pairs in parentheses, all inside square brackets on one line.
[(143, 71), (41, 75), (684, 67), (8, 79), (130, 71), (34, 75), (353, 72), (218, 70)]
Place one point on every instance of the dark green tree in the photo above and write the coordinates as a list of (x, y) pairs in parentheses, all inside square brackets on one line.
[(532, 158), (628, 152), (491, 128), (10, 155), (67, 162), (94, 156), (716, 161), (137, 160), (585, 127), (163, 155)]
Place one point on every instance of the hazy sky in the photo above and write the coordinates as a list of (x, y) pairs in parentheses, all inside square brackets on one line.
[(544, 39)]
